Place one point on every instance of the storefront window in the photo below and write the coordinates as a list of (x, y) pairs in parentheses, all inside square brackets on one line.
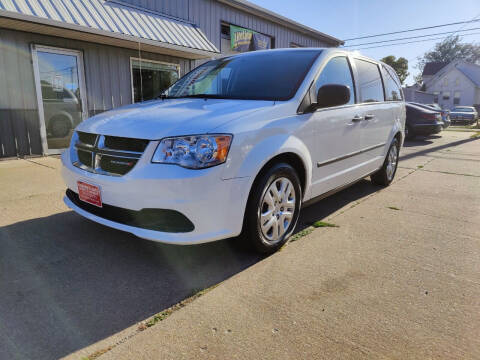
[(150, 78)]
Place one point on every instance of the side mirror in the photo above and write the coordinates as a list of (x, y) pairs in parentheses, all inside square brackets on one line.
[(332, 95)]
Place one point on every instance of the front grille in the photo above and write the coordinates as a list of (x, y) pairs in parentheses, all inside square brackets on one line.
[(86, 138), (152, 219), (116, 165), (85, 157), (107, 155), (125, 144)]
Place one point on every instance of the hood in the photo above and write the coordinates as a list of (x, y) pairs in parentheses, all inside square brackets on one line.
[(156, 119)]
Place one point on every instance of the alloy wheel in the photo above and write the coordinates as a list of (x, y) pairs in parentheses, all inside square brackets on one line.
[(392, 161)]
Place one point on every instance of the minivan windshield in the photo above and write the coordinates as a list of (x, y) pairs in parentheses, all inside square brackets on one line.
[(269, 75), (463, 109)]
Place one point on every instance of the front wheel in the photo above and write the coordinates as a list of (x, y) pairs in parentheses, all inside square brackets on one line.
[(273, 208), (385, 175)]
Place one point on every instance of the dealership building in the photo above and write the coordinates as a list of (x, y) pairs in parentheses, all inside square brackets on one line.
[(62, 61)]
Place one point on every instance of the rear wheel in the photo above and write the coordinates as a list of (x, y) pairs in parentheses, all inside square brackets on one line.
[(385, 175), (273, 208)]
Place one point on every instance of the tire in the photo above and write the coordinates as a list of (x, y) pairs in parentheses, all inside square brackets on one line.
[(265, 233), (60, 127), (409, 135), (386, 174)]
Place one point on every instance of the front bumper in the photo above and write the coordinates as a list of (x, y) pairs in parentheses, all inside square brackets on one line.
[(214, 206), (427, 129)]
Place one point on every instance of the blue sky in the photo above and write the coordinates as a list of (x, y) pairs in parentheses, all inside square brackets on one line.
[(352, 18)]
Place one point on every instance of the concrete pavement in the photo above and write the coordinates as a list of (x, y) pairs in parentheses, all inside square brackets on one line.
[(386, 283)]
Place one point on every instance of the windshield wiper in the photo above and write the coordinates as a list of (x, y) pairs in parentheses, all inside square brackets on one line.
[(163, 97), (202, 96)]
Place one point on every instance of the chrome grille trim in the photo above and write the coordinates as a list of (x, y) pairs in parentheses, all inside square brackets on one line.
[(98, 150)]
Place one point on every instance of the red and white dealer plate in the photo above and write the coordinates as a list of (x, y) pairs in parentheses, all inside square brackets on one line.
[(89, 193)]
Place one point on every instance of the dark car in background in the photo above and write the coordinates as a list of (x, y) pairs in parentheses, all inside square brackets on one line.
[(444, 114), (422, 121), (463, 114)]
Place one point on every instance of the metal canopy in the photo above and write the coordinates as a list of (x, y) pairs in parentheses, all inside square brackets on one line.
[(102, 19)]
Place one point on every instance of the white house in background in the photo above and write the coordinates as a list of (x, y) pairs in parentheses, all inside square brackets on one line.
[(414, 93), (457, 83)]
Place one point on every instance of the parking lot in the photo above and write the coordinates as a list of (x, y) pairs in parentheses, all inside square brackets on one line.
[(399, 277)]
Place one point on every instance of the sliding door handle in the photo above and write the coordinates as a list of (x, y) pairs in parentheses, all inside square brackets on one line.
[(357, 118), (369, 116)]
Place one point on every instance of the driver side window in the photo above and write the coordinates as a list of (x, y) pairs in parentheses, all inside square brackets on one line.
[(337, 71)]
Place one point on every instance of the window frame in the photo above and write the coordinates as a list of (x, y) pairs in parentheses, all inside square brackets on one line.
[(133, 58), (358, 76), (456, 100), (349, 62), (394, 78)]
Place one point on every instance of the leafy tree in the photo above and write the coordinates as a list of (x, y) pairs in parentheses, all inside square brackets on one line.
[(418, 78), (450, 49), (400, 65)]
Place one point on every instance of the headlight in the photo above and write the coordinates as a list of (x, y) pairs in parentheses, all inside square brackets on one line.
[(193, 152)]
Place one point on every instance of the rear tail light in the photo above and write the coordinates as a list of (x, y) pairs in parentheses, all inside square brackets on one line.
[(432, 117)]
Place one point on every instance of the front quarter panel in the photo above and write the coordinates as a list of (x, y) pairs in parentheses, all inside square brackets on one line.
[(257, 144)]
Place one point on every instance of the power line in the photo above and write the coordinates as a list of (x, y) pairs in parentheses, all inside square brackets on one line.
[(410, 30), (413, 37), (461, 27), (410, 42)]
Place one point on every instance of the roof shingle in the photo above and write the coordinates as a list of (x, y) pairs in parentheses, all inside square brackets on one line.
[(431, 68)]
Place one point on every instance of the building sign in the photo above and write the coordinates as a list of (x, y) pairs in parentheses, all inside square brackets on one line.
[(261, 42), (246, 40)]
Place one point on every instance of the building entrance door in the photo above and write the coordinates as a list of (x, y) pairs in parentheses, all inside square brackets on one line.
[(60, 88)]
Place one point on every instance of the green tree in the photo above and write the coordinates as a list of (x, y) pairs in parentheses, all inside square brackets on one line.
[(449, 50), (400, 65)]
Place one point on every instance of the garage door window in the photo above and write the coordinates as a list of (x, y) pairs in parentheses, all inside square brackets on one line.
[(151, 78)]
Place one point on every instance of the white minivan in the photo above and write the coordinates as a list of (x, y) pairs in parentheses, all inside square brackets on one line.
[(237, 145)]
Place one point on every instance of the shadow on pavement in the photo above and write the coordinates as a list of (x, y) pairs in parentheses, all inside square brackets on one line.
[(434, 148), (417, 142), (66, 282)]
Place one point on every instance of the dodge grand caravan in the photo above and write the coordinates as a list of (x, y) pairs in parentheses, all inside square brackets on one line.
[(237, 145)]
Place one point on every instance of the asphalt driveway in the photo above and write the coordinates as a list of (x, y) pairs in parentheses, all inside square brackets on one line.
[(67, 283)]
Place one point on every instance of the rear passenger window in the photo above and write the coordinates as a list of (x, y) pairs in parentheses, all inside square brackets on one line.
[(392, 87), (337, 71), (369, 82)]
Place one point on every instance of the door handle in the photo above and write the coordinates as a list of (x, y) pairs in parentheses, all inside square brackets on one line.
[(369, 116), (357, 118)]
